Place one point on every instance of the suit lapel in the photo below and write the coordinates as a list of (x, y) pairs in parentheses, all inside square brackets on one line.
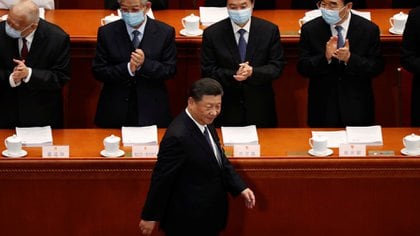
[(230, 41), (122, 39), (149, 36), (253, 40)]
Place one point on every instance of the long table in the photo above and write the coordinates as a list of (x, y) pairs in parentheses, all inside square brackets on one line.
[(81, 94), (296, 194)]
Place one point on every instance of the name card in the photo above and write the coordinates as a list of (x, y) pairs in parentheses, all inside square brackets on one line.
[(246, 150), (55, 151), (145, 150), (352, 150)]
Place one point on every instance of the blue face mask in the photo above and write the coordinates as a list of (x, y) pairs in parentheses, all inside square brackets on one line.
[(133, 19), (13, 33), (332, 17), (240, 17)]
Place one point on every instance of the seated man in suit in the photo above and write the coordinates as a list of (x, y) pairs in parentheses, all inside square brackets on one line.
[(134, 57), (48, 4), (156, 4), (312, 4), (410, 60), (340, 54), (244, 54), (192, 176), (261, 4), (34, 66)]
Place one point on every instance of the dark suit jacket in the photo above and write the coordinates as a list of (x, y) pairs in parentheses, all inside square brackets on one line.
[(261, 4), (410, 60), (336, 91), (110, 67), (38, 102), (311, 4), (251, 101), (189, 189)]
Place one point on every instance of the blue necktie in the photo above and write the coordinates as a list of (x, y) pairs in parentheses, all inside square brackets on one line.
[(207, 135), (242, 44), (340, 41), (136, 40)]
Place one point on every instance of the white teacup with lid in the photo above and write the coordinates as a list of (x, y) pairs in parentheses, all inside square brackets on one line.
[(112, 145), (191, 24), (14, 146), (397, 22), (412, 144), (318, 144), (109, 19)]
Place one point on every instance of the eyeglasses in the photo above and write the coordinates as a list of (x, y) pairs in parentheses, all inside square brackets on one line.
[(330, 5)]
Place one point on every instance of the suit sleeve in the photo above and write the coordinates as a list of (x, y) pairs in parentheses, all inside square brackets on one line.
[(266, 72), (170, 160), (410, 58), (57, 73)]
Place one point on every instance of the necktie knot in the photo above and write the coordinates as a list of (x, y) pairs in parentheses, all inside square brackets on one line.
[(136, 40), (340, 40), (242, 44)]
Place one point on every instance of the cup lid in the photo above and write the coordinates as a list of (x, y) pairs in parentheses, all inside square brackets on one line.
[(14, 139), (412, 137), (112, 17), (112, 138), (400, 16), (192, 17)]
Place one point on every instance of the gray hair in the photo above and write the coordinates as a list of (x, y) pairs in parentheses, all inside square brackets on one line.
[(142, 2)]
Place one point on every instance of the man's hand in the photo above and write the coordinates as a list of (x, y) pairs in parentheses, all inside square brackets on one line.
[(20, 71), (343, 54), (244, 71), (146, 227), (136, 60), (249, 198), (331, 47)]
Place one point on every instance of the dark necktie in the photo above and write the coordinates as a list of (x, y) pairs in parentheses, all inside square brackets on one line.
[(207, 135), (24, 51), (340, 41), (242, 44), (136, 40)]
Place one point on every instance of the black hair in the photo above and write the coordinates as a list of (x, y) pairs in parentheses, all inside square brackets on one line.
[(205, 86)]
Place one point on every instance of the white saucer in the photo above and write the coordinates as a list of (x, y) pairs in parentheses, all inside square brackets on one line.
[(407, 153), (116, 154), (22, 153), (392, 31), (323, 154), (185, 33)]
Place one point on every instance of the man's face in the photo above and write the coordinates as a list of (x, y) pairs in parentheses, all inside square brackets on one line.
[(20, 23), (238, 4), (336, 5), (206, 110)]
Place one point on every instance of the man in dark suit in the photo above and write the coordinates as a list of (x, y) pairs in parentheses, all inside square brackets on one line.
[(156, 4), (246, 79), (340, 66), (261, 4), (134, 57), (312, 4), (34, 66), (410, 60), (188, 191)]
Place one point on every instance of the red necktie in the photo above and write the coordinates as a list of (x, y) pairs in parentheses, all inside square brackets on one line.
[(24, 51)]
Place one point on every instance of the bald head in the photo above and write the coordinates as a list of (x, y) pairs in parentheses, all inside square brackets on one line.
[(24, 16)]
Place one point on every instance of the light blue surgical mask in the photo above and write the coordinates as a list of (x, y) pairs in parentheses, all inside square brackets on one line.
[(240, 17), (332, 17), (133, 19), (14, 33)]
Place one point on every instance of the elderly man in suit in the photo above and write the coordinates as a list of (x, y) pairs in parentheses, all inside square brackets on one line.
[(34, 66), (410, 60), (134, 57), (192, 176), (340, 53), (244, 54)]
